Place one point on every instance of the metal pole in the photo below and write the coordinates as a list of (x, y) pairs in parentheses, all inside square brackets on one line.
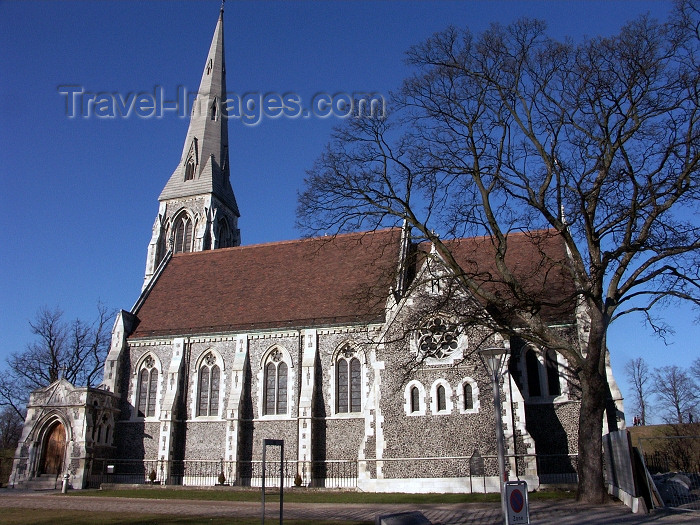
[(263, 482), (281, 480), (499, 441)]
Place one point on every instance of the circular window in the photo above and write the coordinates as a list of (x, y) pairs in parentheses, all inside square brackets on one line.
[(437, 338)]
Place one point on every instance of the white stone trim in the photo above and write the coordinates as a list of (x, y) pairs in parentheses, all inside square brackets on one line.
[(194, 387), (475, 396), (332, 381), (291, 384), (136, 382), (451, 359), (421, 398), (448, 398)]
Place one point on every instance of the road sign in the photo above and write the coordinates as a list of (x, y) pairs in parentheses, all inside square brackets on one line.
[(518, 511)]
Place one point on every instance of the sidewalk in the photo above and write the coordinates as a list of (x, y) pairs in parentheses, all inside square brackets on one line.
[(558, 512)]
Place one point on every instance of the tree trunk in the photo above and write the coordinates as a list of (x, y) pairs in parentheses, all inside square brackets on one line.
[(594, 389)]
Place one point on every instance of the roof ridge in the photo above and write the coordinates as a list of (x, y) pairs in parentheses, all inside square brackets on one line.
[(290, 241)]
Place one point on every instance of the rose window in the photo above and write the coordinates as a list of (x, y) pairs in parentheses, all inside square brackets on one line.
[(437, 338)]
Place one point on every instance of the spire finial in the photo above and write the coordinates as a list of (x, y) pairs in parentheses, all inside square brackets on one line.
[(222, 5)]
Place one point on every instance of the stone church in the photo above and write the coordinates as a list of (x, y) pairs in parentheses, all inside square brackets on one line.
[(344, 349)]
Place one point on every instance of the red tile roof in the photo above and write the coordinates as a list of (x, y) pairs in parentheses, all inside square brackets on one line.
[(312, 282), (538, 259), (327, 281)]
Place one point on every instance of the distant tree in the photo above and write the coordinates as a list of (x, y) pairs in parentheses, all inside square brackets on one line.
[(11, 424), (676, 393), (695, 370), (640, 377), (599, 142), (74, 350)]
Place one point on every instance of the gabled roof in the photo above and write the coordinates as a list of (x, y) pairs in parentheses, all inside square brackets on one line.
[(330, 281), (539, 260), (314, 282)]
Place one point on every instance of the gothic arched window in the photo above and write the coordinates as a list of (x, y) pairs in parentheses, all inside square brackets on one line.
[(223, 234), (348, 375), (415, 399), (552, 373), (468, 396), (532, 366), (441, 402), (183, 234), (441, 397), (147, 388), (209, 380), (189, 169), (275, 391)]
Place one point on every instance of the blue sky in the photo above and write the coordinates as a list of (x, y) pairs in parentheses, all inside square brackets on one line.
[(79, 195)]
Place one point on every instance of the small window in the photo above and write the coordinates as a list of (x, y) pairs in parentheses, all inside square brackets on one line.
[(214, 109), (441, 403), (415, 399), (441, 398), (468, 397), (189, 169)]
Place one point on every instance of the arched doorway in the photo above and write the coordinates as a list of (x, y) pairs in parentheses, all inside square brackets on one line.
[(53, 450)]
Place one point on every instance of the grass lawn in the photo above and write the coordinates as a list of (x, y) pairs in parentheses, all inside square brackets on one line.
[(12, 516), (308, 496)]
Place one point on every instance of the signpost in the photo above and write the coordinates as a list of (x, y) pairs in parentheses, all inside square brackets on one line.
[(518, 510), (273, 443)]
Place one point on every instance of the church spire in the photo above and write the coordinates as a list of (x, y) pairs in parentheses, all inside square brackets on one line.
[(204, 162), (198, 210)]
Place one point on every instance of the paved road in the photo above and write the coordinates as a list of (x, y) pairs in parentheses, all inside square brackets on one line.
[(559, 512)]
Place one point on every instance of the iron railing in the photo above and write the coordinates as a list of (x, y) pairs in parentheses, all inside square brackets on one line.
[(326, 474)]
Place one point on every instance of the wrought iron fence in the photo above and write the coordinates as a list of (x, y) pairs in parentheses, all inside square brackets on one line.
[(324, 474), (126, 471), (557, 468), (336, 474)]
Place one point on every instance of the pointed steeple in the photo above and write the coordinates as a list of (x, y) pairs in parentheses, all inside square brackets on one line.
[(204, 166), (198, 210)]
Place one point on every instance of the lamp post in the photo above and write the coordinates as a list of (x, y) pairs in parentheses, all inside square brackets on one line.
[(493, 359)]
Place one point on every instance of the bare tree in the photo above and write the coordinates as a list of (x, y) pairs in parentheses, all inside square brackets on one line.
[(695, 370), (639, 375), (512, 131), (74, 350), (10, 428), (676, 393)]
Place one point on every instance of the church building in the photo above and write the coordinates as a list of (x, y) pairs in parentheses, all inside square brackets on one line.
[(349, 350)]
